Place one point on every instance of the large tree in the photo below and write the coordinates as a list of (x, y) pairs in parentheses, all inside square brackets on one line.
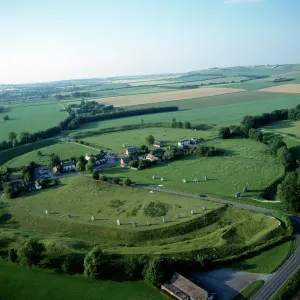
[(289, 191), (93, 263), (150, 139), (31, 253), (91, 164), (80, 166), (224, 132), (187, 125), (12, 136)]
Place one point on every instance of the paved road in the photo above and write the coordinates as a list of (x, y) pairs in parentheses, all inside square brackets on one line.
[(277, 279)]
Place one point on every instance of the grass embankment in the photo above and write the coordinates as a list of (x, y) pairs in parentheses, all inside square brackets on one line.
[(249, 290), (64, 150), (20, 283), (9, 154), (217, 226)]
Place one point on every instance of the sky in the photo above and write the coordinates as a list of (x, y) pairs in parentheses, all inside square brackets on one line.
[(55, 40)]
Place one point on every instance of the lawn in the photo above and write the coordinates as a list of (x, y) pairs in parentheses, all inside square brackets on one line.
[(223, 109), (169, 136), (246, 163), (267, 261), (38, 284), (287, 127), (31, 119), (64, 150)]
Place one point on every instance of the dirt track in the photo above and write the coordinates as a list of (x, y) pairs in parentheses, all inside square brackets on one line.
[(167, 96)]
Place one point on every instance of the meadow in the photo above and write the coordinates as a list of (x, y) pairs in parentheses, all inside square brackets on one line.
[(81, 197), (40, 284), (286, 127), (245, 163), (31, 119), (63, 149), (169, 136)]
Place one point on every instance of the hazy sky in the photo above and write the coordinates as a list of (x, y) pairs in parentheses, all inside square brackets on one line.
[(52, 40)]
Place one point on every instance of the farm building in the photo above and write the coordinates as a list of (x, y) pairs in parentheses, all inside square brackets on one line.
[(151, 157), (131, 150), (183, 289), (183, 143), (124, 161), (158, 144)]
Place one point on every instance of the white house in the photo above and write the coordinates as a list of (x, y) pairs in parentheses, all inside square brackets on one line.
[(68, 166), (185, 142)]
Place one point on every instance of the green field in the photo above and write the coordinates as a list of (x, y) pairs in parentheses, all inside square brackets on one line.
[(286, 127), (267, 261), (217, 226), (249, 290), (31, 119), (169, 136), (64, 150), (38, 284), (223, 109), (245, 163), (9, 154)]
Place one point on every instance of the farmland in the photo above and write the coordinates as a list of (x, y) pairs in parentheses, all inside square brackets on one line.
[(21, 283), (31, 119), (166, 96), (169, 136), (223, 109), (62, 149), (284, 88)]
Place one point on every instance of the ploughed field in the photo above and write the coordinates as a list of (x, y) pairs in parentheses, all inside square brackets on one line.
[(217, 226)]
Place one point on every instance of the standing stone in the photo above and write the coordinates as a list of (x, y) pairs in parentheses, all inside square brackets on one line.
[(118, 222)]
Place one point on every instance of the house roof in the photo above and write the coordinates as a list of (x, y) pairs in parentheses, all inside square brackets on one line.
[(126, 160), (152, 157), (189, 288), (67, 163)]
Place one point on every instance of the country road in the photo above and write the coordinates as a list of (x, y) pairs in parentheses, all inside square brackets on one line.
[(278, 278)]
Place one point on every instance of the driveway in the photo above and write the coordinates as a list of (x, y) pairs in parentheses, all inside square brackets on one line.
[(226, 282)]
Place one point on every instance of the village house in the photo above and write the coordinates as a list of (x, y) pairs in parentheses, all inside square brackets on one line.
[(183, 289), (99, 158), (158, 144), (68, 166), (124, 161), (131, 150), (152, 158)]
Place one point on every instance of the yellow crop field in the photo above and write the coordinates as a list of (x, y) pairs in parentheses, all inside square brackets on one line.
[(167, 96), (284, 88)]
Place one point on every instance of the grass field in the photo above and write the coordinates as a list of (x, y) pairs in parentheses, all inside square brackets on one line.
[(63, 149), (245, 163), (83, 197), (290, 128), (9, 154), (267, 261), (223, 109), (167, 96), (39, 284), (31, 119), (169, 136)]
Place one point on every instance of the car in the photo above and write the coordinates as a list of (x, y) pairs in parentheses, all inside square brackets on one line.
[(202, 196)]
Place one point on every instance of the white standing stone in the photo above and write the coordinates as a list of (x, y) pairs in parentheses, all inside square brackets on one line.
[(192, 212), (118, 222), (164, 220)]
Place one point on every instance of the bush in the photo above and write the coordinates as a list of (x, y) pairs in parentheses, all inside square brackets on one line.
[(12, 255), (132, 269), (116, 180), (127, 181), (102, 177), (31, 253), (156, 209), (157, 271), (95, 175), (224, 133), (93, 262), (66, 266)]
